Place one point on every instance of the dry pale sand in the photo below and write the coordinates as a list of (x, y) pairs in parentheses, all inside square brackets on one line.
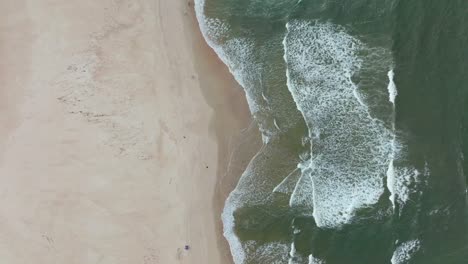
[(115, 127)]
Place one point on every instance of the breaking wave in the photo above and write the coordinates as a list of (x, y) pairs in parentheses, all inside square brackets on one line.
[(350, 148)]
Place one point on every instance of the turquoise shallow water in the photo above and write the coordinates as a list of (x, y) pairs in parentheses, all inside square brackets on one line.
[(361, 105)]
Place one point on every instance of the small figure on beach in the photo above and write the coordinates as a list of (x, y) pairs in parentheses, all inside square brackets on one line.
[(187, 247)]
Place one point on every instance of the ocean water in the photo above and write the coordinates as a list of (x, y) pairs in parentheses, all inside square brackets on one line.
[(362, 109)]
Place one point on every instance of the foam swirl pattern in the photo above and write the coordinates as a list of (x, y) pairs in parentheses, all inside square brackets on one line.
[(350, 148)]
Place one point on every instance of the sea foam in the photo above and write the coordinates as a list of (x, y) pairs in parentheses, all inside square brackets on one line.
[(404, 252), (274, 253), (289, 183), (213, 30), (302, 196), (350, 148), (313, 260), (392, 93), (295, 258), (237, 53), (402, 182), (392, 90)]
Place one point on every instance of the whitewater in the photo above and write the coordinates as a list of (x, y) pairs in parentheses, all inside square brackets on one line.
[(350, 162)]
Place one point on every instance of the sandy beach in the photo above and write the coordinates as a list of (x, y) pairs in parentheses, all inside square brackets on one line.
[(117, 126)]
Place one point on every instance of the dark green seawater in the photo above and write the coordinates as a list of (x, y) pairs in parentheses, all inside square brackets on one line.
[(363, 108)]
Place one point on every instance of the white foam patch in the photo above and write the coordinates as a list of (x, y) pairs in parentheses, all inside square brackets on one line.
[(296, 231), (289, 183), (405, 183), (234, 200), (350, 149), (391, 182), (237, 251), (276, 124), (274, 253), (292, 254), (313, 260), (392, 90), (295, 258), (302, 195), (237, 54), (401, 182), (248, 194), (405, 252)]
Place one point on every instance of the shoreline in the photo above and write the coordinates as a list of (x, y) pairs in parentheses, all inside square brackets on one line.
[(236, 146), (120, 135)]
